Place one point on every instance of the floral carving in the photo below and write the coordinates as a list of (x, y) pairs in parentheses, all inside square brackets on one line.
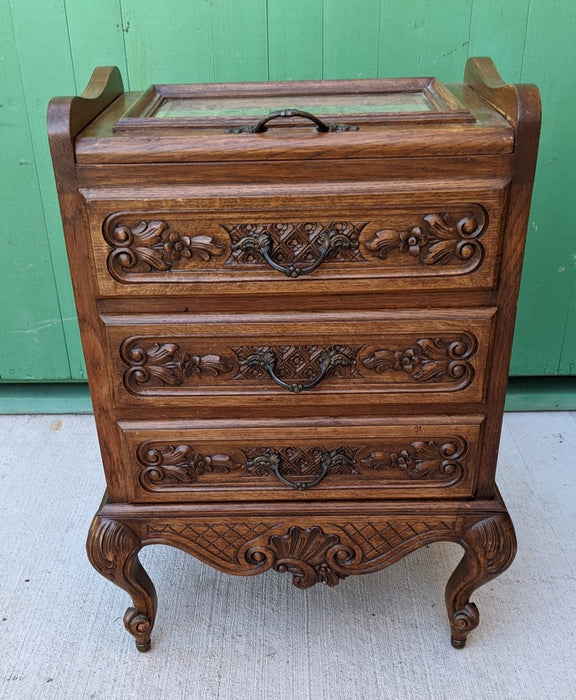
[(438, 239), (170, 465), (430, 360), (167, 364), (423, 459), (153, 246)]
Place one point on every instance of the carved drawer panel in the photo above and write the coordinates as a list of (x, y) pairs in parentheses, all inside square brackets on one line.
[(290, 244), (209, 461), (431, 356)]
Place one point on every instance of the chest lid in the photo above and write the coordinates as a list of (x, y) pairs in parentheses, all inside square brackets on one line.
[(295, 120)]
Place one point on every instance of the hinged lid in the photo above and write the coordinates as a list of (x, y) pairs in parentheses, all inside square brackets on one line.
[(344, 119), (340, 103)]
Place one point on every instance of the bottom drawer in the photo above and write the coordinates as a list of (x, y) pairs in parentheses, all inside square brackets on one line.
[(301, 459)]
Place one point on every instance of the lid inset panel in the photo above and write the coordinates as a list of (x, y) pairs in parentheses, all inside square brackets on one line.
[(365, 102)]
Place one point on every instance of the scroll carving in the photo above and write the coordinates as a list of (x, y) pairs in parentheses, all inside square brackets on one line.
[(168, 467), (439, 239), (166, 364), (153, 246), (430, 360), (304, 553), (171, 465), (311, 554), (155, 363), (423, 460)]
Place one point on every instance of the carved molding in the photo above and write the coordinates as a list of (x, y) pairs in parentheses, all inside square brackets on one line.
[(429, 360), (166, 364), (311, 554), (153, 246), (423, 460), (439, 239), (154, 363), (173, 467)]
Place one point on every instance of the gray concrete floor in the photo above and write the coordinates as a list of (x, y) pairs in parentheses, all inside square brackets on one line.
[(378, 636)]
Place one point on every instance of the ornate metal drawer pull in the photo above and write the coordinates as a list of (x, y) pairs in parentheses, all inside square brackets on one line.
[(271, 461), (327, 360), (325, 244), (261, 127)]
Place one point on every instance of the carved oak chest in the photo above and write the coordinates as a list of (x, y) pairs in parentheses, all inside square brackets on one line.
[(297, 302)]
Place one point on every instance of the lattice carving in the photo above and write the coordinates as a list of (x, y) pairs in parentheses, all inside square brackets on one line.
[(293, 244), (296, 363), (311, 554)]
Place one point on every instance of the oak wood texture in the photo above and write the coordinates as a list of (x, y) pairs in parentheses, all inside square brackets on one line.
[(297, 343)]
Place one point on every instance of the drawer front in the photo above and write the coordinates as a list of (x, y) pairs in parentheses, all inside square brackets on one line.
[(392, 357), (301, 459), (415, 241)]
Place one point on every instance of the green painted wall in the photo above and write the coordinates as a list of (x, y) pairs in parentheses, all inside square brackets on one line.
[(49, 47)]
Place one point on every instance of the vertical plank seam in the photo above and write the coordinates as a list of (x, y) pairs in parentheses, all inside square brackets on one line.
[(70, 47), (211, 4), (470, 29), (322, 42), (267, 42), (39, 188), (566, 328), (378, 40), (528, 13), (122, 25)]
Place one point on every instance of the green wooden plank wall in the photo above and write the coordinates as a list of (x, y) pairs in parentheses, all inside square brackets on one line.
[(50, 47)]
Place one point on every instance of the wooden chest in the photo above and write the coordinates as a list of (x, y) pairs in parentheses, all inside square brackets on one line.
[(297, 302)]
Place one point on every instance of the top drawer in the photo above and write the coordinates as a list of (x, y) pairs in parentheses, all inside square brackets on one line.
[(413, 240)]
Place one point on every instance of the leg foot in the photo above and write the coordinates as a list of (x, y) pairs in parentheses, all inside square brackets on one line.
[(490, 547), (113, 551)]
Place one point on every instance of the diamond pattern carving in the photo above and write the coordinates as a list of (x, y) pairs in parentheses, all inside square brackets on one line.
[(221, 539), (296, 362), (294, 243)]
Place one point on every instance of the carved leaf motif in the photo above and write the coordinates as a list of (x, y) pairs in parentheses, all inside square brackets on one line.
[(381, 360), (431, 360), (167, 364), (169, 465), (439, 239), (423, 459), (204, 247), (384, 242), (153, 246)]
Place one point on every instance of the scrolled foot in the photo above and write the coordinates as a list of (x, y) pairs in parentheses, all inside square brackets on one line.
[(490, 547), (140, 627), (462, 622), (113, 551)]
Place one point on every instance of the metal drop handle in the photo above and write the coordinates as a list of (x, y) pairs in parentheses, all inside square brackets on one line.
[(261, 126), (326, 243), (267, 361), (272, 461)]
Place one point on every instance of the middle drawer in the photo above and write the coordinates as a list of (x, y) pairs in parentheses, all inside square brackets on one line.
[(428, 356)]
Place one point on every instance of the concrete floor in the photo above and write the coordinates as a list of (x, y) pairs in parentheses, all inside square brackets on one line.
[(379, 636)]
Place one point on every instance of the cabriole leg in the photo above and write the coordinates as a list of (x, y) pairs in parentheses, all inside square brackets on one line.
[(113, 551), (490, 546)]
